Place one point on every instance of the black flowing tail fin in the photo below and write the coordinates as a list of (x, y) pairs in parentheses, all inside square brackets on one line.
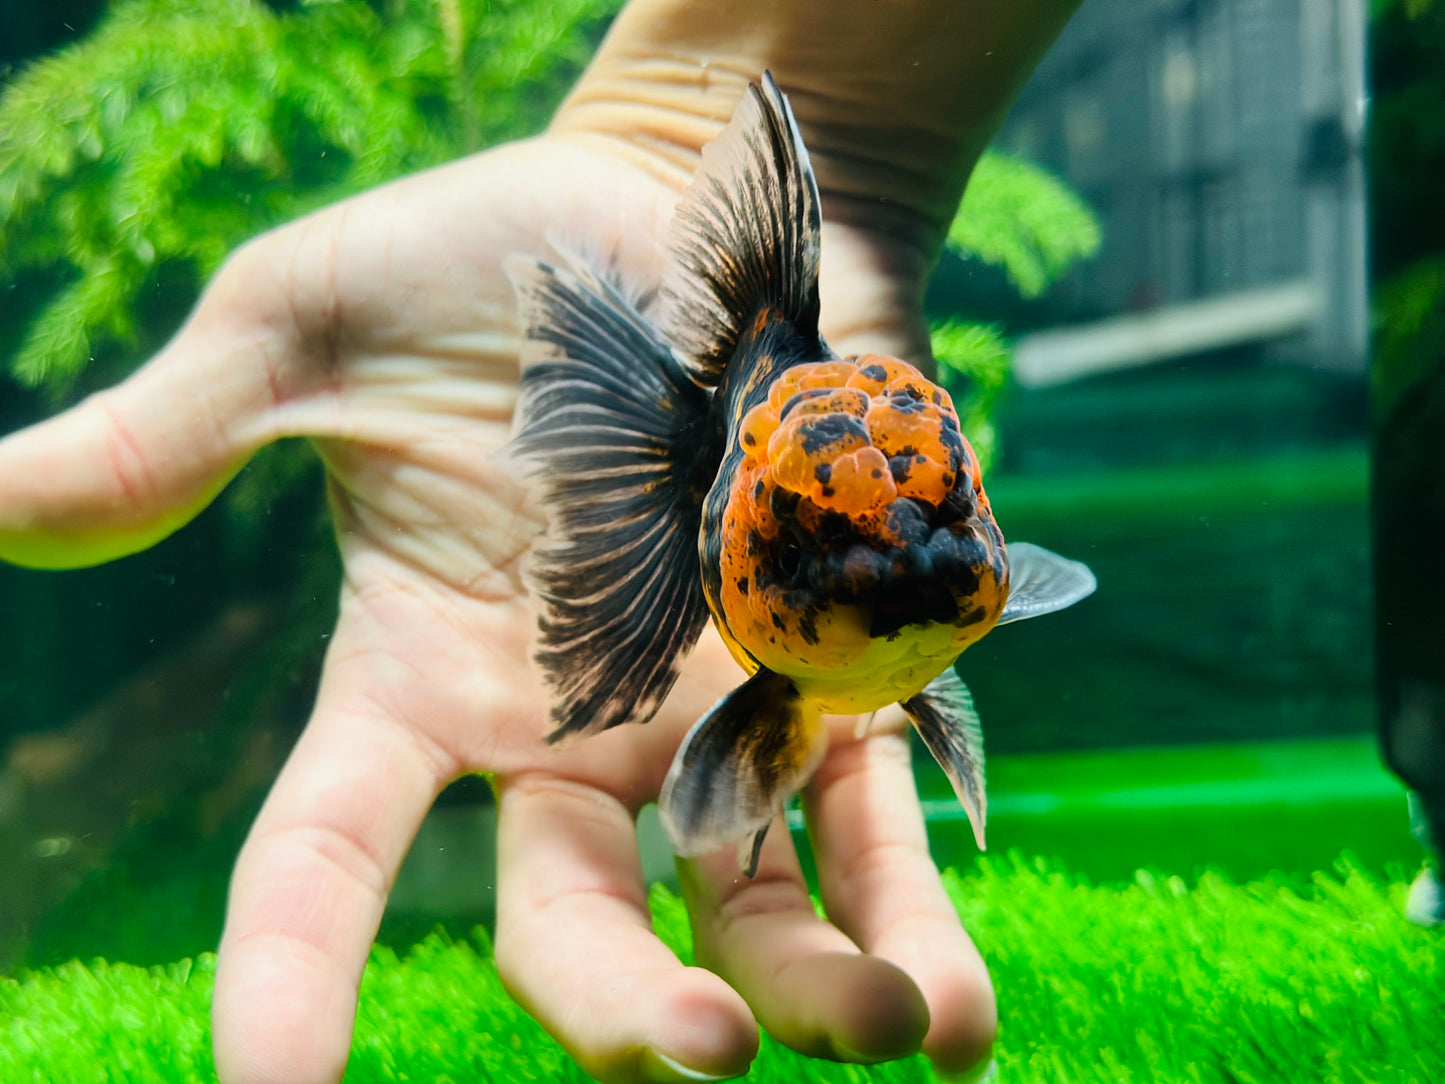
[(947, 721), (613, 428), (745, 235), (738, 766)]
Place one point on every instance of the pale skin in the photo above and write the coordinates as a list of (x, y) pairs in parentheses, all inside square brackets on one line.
[(384, 328)]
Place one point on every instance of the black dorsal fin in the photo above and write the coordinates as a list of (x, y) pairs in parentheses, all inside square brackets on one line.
[(745, 235), (612, 426), (738, 766)]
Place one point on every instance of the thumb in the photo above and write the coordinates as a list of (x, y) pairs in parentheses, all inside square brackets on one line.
[(132, 464)]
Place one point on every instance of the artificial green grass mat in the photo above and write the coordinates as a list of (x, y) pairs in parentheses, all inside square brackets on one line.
[(1276, 980)]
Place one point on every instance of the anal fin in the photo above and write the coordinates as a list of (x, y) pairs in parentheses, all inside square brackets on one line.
[(948, 723), (750, 850), (738, 766)]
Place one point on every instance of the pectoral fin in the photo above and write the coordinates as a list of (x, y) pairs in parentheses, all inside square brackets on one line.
[(738, 766), (1040, 582), (947, 722)]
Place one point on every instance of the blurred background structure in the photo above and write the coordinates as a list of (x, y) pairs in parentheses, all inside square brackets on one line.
[(1190, 404), (1222, 144)]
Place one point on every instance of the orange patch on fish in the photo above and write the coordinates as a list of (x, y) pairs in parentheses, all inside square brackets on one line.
[(852, 436)]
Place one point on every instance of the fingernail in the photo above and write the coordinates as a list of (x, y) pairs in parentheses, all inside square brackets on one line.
[(665, 1070), (983, 1073)]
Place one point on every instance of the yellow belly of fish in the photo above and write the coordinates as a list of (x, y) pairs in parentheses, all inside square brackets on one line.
[(848, 671)]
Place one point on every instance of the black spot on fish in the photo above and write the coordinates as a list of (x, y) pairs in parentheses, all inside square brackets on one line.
[(971, 617), (861, 569), (874, 372), (827, 491), (958, 556), (900, 466), (749, 439), (906, 401), (759, 489), (919, 562), (824, 430), (778, 622), (801, 397), (952, 439), (907, 520), (959, 505), (784, 504), (743, 584), (919, 603), (823, 472), (756, 545), (807, 628)]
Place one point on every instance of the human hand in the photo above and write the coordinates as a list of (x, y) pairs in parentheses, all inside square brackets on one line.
[(384, 329)]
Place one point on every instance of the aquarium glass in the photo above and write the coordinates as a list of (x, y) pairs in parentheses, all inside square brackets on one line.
[(1192, 313)]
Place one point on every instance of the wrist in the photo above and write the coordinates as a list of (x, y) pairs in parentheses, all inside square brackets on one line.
[(895, 99)]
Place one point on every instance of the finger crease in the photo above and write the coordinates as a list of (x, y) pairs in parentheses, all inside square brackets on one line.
[(345, 851), (127, 460), (762, 899), (878, 859)]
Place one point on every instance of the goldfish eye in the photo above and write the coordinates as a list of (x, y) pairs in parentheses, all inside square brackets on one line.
[(790, 559)]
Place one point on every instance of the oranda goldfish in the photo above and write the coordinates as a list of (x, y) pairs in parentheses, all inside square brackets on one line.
[(827, 512)]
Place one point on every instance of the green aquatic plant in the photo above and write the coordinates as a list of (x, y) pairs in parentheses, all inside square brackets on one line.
[(974, 364), (1409, 332), (1021, 218), (1158, 981), (178, 129)]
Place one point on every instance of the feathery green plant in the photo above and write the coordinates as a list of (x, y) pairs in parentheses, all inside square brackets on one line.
[(974, 360), (1409, 318), (1023, 219), (181, 127)]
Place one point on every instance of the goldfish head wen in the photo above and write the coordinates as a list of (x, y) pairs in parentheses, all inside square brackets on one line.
[(859, 553)]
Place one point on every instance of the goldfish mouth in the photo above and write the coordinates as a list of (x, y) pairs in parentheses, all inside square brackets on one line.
[(918, 603), (915, 570)]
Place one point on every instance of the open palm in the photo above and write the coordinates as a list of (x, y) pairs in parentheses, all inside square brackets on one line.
[(385, 329)]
